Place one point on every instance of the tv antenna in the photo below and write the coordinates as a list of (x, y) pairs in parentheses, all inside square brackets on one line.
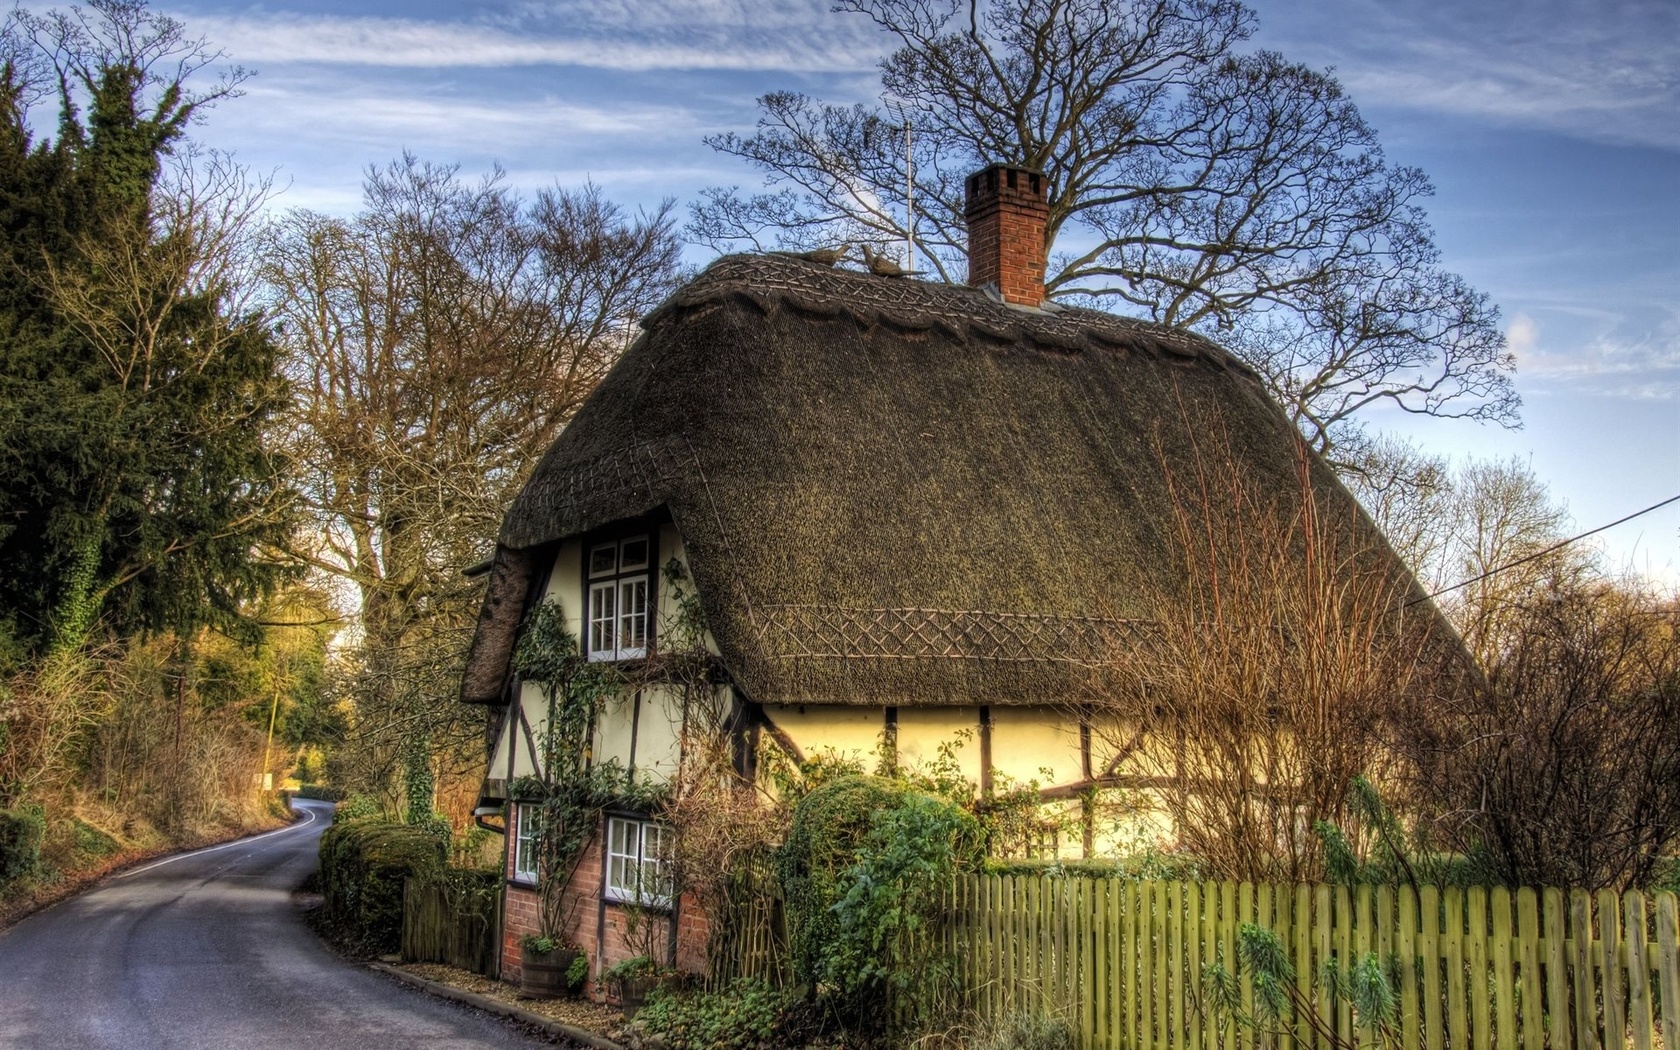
[(896, 107)]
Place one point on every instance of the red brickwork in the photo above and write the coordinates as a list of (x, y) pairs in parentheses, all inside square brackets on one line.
[(589, 920), (1006, 211)]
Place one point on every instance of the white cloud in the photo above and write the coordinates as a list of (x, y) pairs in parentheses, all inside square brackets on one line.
[(1646, 367), (658, 35), (1521, 334), (1604, 70)]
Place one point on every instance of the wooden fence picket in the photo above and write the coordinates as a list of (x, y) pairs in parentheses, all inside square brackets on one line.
[(1668, 968), (1639, 1015), (1122, 960)]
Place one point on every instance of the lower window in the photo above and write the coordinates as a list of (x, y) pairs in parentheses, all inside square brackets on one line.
[(525, 843), (636, 872)]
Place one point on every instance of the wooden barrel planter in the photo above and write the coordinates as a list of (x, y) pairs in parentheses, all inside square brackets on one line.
[(542, 975)]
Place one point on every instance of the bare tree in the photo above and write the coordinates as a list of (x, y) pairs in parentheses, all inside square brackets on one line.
[(1479, 534), (1191, 182), (1265, 683), (1562, 766), (439, 341)]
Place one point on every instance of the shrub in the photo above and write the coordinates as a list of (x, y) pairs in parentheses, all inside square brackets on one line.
[(864, 870), (747, 1015), (363, 867), (21, 832), (1023, 1030), (828, 826), (320, 792)]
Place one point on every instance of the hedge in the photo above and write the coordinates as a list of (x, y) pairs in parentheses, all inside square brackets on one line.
[(363, 866), (21, 832)]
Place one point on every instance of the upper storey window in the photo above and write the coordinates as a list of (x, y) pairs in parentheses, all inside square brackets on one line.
[(620, 592)]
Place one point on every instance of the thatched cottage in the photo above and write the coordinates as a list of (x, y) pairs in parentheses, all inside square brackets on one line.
[(913, 515)]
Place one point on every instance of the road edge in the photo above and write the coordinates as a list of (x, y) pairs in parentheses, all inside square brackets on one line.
[(75, 887), (488, 1005)]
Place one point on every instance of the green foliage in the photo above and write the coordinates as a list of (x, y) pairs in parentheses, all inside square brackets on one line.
[(1393, 856), (630, 969), (1024, 1030), (889, 896), (747, 1015), (569, 797), (863, 871), (142, 484), (359, 807), (829, 824), (1365, 984), (1146, 866), (577, 972), (363, 866), (21, 832)]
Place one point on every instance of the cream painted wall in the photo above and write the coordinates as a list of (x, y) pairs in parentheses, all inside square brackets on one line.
[(921, 731), (511, 739), (656, 729), (613, 725), (659, 733), (565, 584), (848, 732), (1036, 743)]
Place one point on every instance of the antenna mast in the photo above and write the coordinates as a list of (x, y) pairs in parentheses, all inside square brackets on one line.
[(895, 106)]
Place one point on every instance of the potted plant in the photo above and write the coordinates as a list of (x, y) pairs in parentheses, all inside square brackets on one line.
[(549, 968), (630, 981)]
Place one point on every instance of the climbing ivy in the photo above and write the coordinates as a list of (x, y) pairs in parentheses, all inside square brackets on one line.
[(570, 792)]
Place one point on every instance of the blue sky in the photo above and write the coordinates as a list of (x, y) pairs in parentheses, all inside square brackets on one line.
[(1551, 129)]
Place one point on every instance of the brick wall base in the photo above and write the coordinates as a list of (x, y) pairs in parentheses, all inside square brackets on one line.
[(600, 927)]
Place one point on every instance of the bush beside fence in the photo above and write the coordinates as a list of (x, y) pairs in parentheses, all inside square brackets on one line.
[(364, 865), (1122, 960)]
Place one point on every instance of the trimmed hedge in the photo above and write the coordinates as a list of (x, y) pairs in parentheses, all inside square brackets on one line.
[(319, 792), (363, 866), (21, 832)]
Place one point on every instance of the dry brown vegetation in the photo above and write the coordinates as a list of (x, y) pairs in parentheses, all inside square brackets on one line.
[(1268, 682)]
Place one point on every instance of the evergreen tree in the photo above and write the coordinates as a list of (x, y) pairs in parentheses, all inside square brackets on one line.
[(137, 490)]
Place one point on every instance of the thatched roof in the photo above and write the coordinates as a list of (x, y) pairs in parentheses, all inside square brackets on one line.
[(891, 491)]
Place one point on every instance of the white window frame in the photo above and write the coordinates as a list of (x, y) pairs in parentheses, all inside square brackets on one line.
[(524, 843), (608, 630), (634, 872)]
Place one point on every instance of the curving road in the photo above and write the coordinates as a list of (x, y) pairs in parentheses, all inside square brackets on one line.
[(206, 951)]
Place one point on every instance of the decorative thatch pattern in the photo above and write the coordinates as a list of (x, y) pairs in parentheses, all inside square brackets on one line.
[(848, 458), (801, 632)]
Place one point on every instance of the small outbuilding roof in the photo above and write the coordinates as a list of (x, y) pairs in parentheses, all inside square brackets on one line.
[(897, 492)]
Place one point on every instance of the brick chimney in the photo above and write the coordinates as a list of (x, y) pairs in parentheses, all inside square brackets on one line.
[(1006, 213)]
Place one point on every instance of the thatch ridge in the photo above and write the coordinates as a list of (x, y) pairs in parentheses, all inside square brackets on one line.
[(896, 492)]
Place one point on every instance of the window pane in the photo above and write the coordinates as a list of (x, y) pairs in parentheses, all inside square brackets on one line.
[(525, 848), (601, 620), (621, 835), (603, 560), (632, 617), (633, 554)]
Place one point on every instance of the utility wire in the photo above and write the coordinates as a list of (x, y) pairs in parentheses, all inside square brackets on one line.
[(1541, 554)]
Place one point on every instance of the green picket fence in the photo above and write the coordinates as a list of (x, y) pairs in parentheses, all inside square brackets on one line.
[(1475, 969)]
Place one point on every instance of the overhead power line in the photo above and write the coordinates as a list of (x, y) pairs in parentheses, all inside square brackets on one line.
[(1541, 554)]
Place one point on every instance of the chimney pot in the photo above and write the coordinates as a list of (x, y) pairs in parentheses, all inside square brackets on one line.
[(1007, 212)]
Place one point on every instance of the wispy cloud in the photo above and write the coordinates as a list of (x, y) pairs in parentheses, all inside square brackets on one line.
[(1604, 70), (661, 34), (1641, 367)]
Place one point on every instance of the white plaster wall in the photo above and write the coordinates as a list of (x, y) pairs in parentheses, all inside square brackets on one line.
[(659, 733), (1036, 743), (848, 732), (613, 725), (565, 584), (921, 731)]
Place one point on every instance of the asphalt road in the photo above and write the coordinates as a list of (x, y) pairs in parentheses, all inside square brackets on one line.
[(205, 951)]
